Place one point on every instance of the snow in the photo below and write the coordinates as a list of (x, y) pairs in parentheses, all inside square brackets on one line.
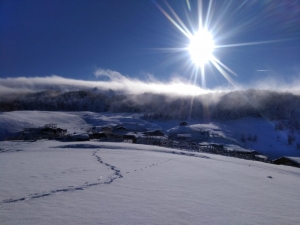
[(83, 136), (11, 122), (269, 142), (237, 148), (262, 157), (50, 182)]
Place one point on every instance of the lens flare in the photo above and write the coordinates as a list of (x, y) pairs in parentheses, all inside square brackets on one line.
[(205, 36)]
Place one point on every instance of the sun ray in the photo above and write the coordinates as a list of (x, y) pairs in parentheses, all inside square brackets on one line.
[(241, 5), (178, 19), (200, 42), (254, 43), (208, 14), (220, 17), (172, 20), (223, 65), (200, 24), (203, 81), (223, 72), (188, 4)]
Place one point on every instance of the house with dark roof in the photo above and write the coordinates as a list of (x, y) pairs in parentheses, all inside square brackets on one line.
[(288, 161), (183, 123), (131, 138), (154, 133)]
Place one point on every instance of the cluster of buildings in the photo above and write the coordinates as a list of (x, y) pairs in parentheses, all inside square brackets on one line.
[(183, 141), (47, 131)]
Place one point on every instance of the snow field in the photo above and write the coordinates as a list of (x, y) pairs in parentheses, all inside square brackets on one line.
[(140, 184)]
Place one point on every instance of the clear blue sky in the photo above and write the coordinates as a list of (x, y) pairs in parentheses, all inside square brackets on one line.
[(72, 38)]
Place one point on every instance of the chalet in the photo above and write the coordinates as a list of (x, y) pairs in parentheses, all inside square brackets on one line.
[(261, 158), (114, 137), (106, 129), (61, 131), (30, 134), (183, 124), (229, 150), (51, 130), (48, 131), (154, 133), (193, 144), (82, 137), (212, 147), (239, 152), (129, 138), (120, 130), (76, 137), (98, 135), (288, 161)]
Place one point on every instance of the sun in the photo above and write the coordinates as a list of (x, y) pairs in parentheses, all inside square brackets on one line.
[(201, 47), (199, 42)]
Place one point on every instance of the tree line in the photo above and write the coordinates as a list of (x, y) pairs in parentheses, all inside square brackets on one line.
[(223, 106)]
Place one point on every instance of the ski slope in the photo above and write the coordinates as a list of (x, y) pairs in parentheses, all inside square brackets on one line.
[(49, 182)]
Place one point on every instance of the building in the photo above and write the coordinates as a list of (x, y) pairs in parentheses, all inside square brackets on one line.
[(212, 147), (51, 130), (47, 131), (129, 138), (98, 135), (154, 133), (288, 161), (183, 123)]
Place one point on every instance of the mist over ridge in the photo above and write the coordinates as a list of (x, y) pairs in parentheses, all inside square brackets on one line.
[(230, 105)]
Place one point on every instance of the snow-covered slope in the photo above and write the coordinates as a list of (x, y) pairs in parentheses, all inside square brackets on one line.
[(49, 182), (268, 141), (13, 122)]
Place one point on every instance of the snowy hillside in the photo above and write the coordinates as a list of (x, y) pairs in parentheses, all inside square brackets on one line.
[(268, 141), (12, 122), (232, 105), (50, 182)]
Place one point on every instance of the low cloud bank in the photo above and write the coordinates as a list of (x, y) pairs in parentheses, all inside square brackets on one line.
[(287, 83), (113, 80), (117, 82)]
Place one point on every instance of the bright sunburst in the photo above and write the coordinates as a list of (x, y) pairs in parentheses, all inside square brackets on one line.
[(200, 42), (201, 47)]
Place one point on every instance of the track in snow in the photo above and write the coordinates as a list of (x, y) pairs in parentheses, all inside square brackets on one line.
[(116, 175)]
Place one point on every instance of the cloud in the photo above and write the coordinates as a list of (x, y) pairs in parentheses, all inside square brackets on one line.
[(126, 85), (113, 75), (289, 82), (117, 82)]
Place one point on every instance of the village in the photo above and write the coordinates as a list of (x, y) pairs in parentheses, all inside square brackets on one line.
[(202, 142)]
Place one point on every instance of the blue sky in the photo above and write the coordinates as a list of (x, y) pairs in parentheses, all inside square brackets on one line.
[(73, 39)]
